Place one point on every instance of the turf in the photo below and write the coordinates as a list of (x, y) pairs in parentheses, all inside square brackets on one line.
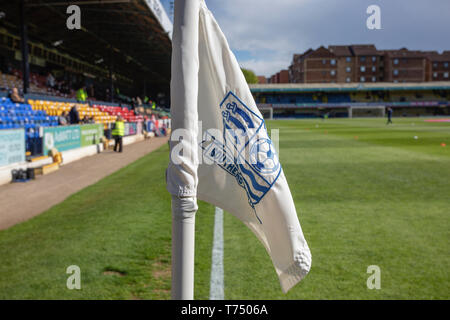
[(118, 231), (366, 194)]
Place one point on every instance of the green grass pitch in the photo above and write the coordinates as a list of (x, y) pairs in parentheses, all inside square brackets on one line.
[(366, 194)]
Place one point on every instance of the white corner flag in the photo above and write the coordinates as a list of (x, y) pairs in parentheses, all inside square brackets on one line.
[(227, 159)]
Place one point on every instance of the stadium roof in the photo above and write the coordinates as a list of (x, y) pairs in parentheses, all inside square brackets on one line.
[(347, 87), (135, 33)]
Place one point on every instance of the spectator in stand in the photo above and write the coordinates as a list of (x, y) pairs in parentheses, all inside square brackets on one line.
[(118, 133), (139, 101), (63, 119), (74, 115), (9, 68), (15, 97), (88, 120), (107, 95), (67, 115), (85, 120), (50, 80), (82, 94), (65, 87), (91, 90)]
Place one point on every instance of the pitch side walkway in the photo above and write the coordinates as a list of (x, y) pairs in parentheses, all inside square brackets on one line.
[(22, 201)]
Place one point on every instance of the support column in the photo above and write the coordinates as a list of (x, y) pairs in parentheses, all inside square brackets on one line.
[(145, 88), (111, 81), (24, 47)]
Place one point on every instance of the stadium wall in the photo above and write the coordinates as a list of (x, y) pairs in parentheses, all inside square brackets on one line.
[(68, 156)]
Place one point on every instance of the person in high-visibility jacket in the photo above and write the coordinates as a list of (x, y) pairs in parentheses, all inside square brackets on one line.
[(118, 133), (81, 94)]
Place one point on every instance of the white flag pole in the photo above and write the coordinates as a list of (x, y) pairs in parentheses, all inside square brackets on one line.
[(182, 176), (183, 244)]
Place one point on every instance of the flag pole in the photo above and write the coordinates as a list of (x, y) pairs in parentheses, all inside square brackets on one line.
[(183, 245), (181, 175)]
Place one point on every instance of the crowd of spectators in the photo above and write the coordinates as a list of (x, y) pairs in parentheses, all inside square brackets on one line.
[(73, 117), (68, 86), (59, 87)]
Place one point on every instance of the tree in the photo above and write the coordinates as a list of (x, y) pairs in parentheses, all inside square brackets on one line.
[(249, 75)]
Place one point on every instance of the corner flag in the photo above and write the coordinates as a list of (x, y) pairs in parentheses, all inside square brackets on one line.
[(228, 158)]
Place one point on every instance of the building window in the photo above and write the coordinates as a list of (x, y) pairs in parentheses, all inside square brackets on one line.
[(324, 61), (374, 79), (374, 58), (374, 69), (348, 69), (362, 59), (395, 72), (445, 64), (445, 74), (333, 62), (348, 79), (395, 81), (348, 59), (363, 69), (435, 65), (395, 61), (435, 74), (363, 79), (333, 72)]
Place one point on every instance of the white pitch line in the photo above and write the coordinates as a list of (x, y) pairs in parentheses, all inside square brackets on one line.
[(217, 284)]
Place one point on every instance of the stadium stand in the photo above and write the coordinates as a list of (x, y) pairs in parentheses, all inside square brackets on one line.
[(37, 84), (353, 99), (117, 78), (22, 115), (38, 113), (127, 114), (55, 108)]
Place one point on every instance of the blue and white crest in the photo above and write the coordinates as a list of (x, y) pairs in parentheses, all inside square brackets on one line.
[(263, 157), (245, 150)]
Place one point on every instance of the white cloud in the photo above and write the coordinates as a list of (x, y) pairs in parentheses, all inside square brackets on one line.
[(264, 67), (272, 31)]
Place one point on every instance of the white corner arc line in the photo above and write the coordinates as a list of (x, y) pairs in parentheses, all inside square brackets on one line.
[(217, 276)]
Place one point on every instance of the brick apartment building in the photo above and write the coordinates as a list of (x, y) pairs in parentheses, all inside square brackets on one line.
[(438, 66), (405, 66), (364, 63), (262, 79), (279, 77)]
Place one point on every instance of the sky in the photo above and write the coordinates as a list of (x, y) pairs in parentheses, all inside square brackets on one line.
[(264, 34)]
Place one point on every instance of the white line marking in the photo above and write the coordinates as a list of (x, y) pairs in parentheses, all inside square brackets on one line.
[(217, 284)]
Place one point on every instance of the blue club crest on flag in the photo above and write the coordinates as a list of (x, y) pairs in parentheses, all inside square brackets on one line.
[(245, 150)]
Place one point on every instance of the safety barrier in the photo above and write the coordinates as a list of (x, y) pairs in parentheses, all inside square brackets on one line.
[(12, 146)]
